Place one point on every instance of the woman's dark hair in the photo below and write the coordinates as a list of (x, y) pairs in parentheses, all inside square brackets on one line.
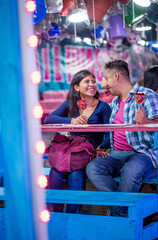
[(151, 77), (73, 96)]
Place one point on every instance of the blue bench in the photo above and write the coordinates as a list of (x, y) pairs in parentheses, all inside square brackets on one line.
[(150, 180), (140, 207)]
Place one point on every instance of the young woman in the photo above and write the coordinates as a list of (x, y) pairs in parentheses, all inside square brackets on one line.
[(83, 86)]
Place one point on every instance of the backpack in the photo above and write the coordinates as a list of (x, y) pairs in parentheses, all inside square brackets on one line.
[(69, 153)]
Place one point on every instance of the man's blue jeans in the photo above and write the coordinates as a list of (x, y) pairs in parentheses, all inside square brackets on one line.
[(129, 165), (75, 182)]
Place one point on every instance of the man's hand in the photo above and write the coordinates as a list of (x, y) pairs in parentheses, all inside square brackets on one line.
[(100, 152), (140, 116), (80, 120)]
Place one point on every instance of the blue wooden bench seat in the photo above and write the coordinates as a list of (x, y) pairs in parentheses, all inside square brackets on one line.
[(140, 206), (150, 180)]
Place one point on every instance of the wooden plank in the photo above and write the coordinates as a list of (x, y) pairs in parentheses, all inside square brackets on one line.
[(147, 207), (94, 197), (150, 231), (3, 235), (97, 198), (90, 227), (2, 194)]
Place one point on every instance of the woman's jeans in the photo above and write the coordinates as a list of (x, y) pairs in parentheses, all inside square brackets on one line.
[(75, 182), (129, 165)]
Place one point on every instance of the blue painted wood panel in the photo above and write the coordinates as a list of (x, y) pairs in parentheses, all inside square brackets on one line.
[(18, 214)]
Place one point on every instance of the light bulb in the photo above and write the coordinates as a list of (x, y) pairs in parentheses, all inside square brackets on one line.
[(143, 28), (143, 3), (40, 146), (32, 41), (45, 216), (78, 15), (36, 77), (30, 6), (38, 111), (43, 181)]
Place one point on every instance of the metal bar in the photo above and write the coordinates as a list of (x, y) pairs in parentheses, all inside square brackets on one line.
[(98, 127)]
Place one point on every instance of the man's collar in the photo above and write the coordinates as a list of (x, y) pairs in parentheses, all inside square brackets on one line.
[(134, 89)]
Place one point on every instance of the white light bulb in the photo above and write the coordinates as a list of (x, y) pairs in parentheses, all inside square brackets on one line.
[(143, 3), (78, 15), (143, 28)]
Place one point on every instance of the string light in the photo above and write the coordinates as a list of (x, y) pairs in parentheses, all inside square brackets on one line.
[(30, 6), (40, 146), (32, 41), (45, 216), (43, 181), (38, 111), (36, 77)]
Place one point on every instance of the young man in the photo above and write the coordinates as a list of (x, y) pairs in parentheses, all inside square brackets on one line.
[(132, 154)]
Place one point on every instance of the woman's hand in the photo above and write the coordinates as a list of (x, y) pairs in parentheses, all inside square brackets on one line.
[(100, 152), (80, 120)]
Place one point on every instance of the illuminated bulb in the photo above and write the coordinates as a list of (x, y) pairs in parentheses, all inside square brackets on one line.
[(30, 6), (38, 111), (33, 41), (143, 28), (36, 77), (45, 216), (78, 15), (143, 3), (43, 181), (40, 147)]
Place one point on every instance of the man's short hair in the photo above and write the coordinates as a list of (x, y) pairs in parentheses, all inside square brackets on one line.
[(119, 65)]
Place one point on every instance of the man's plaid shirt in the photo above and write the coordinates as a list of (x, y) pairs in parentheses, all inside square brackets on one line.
[(142, 142)]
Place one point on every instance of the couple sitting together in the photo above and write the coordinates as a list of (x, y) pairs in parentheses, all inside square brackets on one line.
[(132, 155)]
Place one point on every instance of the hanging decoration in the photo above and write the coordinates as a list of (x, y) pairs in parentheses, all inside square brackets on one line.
[(115, 45), (132, 36), (116, 29), (44, 24), (68, 6), (95, 42), (52, 33), (100, 32), (153, 45), (54, 6), (101, 7), (40, 12)]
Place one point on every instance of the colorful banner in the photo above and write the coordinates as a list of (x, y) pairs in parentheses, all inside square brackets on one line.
[(58, 63)]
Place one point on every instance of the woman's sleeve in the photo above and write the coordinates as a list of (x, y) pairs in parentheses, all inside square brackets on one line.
[(106, 116), (59, 115)]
